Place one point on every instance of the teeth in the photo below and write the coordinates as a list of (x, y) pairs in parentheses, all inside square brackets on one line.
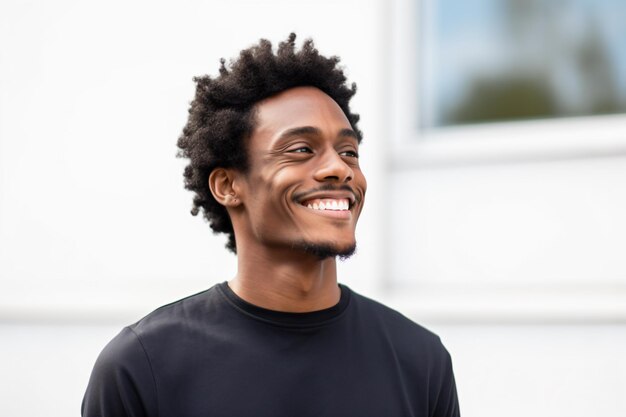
[(329, 204)]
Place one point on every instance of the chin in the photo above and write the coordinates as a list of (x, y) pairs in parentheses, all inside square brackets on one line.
[(327, 250)]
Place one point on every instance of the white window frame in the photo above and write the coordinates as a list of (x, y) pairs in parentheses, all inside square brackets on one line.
[(502, 142), (521, 140)]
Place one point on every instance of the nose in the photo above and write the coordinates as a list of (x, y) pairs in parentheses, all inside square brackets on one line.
[(333, 168)]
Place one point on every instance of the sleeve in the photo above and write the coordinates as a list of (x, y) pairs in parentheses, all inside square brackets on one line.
[(122, 383), (446, 400)]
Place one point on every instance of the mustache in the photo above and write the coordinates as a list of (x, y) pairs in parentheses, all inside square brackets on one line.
[(327, 187)]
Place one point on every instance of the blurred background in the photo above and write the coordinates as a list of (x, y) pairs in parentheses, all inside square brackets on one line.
[(495, 152)]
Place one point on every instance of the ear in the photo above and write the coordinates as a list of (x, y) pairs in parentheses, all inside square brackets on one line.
[(223, 184)]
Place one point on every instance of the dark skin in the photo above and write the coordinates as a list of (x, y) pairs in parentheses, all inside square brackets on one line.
[(303, 152)]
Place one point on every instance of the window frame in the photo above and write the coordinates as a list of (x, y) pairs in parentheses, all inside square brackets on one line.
[(525, 141), (538, 139)]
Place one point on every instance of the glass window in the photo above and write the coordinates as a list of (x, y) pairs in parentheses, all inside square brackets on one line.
[(499, 60)]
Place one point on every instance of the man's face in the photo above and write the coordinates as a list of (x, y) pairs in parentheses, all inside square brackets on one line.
[(304, 189)]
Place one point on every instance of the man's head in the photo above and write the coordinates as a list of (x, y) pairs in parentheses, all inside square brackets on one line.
[(234, 122)]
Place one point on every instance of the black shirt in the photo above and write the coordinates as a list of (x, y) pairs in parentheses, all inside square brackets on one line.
[(215, 355)]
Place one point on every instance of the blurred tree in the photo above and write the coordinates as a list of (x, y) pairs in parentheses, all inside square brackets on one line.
[(504, 98), (596, 74)]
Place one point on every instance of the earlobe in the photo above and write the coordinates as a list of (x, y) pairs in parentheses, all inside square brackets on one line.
[(222, 185)]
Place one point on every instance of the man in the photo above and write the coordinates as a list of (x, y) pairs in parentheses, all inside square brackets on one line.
[(273, 150)]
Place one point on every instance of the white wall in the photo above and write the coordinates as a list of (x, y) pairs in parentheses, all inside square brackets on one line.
[(93, 213), (95, 228)]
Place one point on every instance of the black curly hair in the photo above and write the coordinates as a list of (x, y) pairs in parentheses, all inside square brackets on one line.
[(222, 117)]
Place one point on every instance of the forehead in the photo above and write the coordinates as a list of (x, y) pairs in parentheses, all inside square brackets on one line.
[(298, 107)]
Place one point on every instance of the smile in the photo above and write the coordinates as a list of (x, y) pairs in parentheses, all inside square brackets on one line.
[(329, 207), (324, 204)]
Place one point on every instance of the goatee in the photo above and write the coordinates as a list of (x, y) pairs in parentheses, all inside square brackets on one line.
[(325, 250)]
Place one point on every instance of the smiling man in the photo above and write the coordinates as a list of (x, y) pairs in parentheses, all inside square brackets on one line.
[(273, 150)]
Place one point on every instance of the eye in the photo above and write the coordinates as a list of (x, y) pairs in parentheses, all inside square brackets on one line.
[(352, 154), (302, 149)]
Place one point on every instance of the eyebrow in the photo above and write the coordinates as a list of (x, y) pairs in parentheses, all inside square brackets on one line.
[(311, 130)]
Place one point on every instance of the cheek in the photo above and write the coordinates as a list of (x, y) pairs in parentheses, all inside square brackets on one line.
[(364, 186), (360, 178), (280, 186), (361, 183), (271, 206)]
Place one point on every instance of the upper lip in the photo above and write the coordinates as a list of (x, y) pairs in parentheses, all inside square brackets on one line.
[(335, 195)]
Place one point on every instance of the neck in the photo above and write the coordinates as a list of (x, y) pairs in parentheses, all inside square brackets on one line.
[(285, 281)]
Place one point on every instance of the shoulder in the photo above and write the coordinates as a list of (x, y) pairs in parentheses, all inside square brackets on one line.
[(176, 315), (419, 351), (121, 379), (121, 353), (403, 331), (123, 348), (395, 320)]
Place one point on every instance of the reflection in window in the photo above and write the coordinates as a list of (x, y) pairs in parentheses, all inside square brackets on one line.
[(495, 60)]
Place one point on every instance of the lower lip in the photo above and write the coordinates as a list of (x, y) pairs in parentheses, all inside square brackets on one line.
[(333, 214)]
